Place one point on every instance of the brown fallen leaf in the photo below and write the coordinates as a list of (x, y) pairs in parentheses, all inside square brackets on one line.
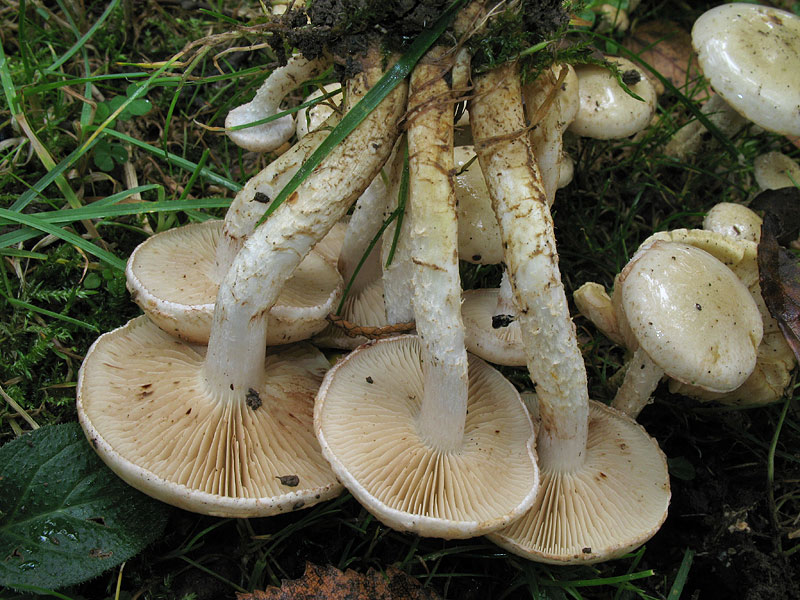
[(668, 49), (329, 583), (779, 277)]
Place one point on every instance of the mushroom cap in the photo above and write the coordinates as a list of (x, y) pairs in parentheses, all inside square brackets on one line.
[(143, 405), (365, 418), (751, 56), (614, 502), (259, 138), (775, 170), (775, 359), (330, 246), (690, 313), (499, 345), (606, 111), (309, 119), (363, 308), (733, 220), (171, 276), (766, 383), (478, 231)]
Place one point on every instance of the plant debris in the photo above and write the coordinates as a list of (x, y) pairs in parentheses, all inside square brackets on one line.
[(329, 583)]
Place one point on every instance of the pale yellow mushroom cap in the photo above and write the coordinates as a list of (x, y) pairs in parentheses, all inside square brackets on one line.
[(733, 220), (365, 418), (500, 345), (774, 170), (751, 56), (690, 313), (171, 276), (607, 111), (144, 407)]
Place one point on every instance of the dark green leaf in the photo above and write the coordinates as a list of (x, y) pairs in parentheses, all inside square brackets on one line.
[(65, 516), (103, 161), (681, 468), (118, 153), (139, 107)]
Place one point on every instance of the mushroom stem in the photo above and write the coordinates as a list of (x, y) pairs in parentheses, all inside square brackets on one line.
[(269, 136), (434, 253), (690, 138), (368, 216), (397, 289), (252, 201), (641, 378), (273, 251), (546, 134), (520, 203)]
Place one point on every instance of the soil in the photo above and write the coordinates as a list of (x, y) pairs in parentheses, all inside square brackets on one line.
[(346, 27), (720, 505)]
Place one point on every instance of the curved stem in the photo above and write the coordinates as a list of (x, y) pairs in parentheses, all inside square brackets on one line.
[(252, 201), (273, 251), (641, 378), (520, 204), (269, 136), (368, 216)]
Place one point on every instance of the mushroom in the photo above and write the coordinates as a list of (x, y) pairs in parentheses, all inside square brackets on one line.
[(774, 170), (607, 111), (750, 55), (172, 277), (228, 386), (361, 269), (409, 424), (578, 512), (733, 220), (552, 102), (266, 103), (684, 314), (492, 328), (148, 406), (775, 359)]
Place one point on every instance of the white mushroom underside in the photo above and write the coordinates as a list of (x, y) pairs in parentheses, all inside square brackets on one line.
[(616, 501), (172, 278), (503, 345), (364, 308), (366, 420), (166, 436)]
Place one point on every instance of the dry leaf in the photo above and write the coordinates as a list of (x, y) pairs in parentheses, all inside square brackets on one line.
[(668, 49), (779, 277), (329, 583)]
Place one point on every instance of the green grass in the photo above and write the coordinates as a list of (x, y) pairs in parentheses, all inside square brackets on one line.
[(74, 81)]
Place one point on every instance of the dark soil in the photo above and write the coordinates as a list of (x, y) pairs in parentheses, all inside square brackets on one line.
[(721, 511)]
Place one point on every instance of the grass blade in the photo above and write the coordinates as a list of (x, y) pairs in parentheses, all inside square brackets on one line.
[(67, 236), (83, 39), (178, 161), (683, 573)]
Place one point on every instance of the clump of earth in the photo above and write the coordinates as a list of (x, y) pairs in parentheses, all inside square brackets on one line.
[(346, 27)]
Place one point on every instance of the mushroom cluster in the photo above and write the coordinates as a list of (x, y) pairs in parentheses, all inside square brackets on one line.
[(421, 432)]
